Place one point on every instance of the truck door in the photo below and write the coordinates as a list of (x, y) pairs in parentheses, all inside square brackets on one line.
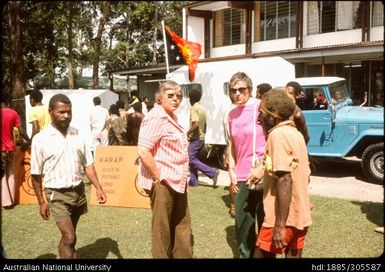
[(318, 118)]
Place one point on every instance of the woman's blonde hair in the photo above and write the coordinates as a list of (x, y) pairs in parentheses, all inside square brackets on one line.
[(167, 85), (241, 76)]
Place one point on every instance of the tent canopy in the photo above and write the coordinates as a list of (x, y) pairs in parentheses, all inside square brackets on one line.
[(82, 104)]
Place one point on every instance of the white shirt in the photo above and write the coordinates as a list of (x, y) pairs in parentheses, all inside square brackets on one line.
[(61, 160), (144, 108), (98, 119)]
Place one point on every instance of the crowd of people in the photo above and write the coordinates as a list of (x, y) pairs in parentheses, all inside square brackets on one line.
[(266, 157), (267, 163), (117, 125)]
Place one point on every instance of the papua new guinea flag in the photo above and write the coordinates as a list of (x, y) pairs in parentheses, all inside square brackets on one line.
[(181, 51)]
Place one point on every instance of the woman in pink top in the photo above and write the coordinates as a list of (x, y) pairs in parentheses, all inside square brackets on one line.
[(244, 130)]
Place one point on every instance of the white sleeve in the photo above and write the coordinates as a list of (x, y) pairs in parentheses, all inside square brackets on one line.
[(36, 156), (88, 158)]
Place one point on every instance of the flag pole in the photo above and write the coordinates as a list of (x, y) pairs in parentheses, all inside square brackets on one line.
[(165, 48)]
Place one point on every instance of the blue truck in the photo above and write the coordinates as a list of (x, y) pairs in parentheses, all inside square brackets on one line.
[(338, 129)]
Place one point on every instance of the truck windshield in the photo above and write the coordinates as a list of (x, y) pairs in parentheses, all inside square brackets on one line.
[(338, 92)]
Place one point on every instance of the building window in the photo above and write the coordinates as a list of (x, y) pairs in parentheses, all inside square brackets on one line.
[(229, 27), (331, 16), (349, 15), (274, 20), (377, 13), (226, 88), (187, 88)]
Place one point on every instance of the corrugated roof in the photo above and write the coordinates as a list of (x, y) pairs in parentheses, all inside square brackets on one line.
[(162, 67), (334, 46)]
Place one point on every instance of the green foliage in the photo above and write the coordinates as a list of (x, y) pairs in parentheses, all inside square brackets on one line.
[(340, 229), (128, 40)]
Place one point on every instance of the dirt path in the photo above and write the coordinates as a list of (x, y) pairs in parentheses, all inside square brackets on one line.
[(344, 179)]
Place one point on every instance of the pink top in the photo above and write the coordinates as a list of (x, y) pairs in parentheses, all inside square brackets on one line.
[(9, 120), (241, 130), (168, 143)]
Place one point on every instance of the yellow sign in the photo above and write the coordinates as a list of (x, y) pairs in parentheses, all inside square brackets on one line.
[(117, 170)]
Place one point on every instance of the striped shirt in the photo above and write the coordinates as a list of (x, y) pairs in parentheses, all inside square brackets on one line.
[(60, 159), (167, 141)]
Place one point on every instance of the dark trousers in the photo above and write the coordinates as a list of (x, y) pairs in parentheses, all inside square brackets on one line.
[(171, 223), (248, 207), (196, 164), (8, 185)]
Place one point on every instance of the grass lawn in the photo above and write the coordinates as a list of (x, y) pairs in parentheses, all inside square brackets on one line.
[(340, 229)]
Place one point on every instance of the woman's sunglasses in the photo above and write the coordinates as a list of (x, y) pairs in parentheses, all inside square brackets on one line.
[(240, 90), (171, 96)]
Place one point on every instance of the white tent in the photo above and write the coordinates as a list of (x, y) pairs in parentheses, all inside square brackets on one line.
[(82, 103)]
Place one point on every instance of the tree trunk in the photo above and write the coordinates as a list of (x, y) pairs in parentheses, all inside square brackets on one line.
[(155, 34), (51, 74), (71, 84), (128, 38), (18, 89), (105, 8)]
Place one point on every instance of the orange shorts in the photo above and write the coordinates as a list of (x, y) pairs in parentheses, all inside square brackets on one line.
[(295, 239)]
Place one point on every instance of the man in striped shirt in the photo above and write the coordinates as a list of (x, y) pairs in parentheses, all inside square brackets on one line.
[(163, 150), (59, 157)]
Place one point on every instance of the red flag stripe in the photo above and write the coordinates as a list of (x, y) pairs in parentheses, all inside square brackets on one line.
[(190, 51)]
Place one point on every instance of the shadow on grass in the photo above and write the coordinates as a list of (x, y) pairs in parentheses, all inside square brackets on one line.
[(98, 250), (231, 240), (47, 256), (226, 198), (374, 211)]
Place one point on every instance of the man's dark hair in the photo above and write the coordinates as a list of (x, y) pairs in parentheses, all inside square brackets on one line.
[(277, 100), (264, 88), (137, 107), (114, 110), (97, 100), (120, 104), (58, 98), (296, 86), (195, 95), (36, 95), (5, 97)]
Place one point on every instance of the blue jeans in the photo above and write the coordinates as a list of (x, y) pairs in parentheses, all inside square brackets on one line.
[(196, 164)]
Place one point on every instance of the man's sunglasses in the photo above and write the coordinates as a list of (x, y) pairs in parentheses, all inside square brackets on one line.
[(240, 90), (171, 96)]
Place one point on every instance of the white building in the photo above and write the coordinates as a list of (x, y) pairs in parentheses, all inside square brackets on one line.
[(322, 38)]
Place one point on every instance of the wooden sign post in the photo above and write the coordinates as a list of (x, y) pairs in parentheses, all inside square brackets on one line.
[(117, 170), (25, 193)]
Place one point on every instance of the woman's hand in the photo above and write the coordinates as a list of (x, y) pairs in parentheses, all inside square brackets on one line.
[(233, 181), (255, 175)]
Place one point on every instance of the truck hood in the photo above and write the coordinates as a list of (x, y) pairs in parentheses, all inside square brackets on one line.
[(356, 114)]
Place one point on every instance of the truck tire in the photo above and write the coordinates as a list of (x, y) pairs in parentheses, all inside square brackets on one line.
[(372, 162)]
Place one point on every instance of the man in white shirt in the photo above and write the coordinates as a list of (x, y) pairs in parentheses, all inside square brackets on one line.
[(98, 118), (144, 105), (59, 158)]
